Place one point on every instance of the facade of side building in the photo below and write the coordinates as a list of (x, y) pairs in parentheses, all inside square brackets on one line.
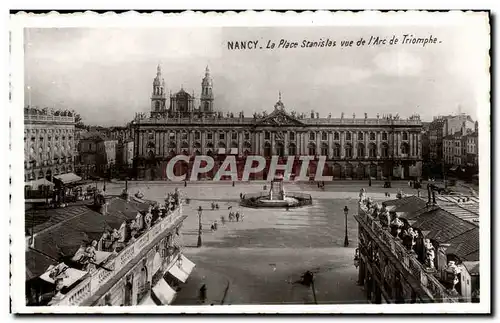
[(118, 251), (413, 251), (355, 148)]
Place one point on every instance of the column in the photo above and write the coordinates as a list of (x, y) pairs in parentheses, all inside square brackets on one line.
[(273, 143), (203, 140), (342, 144), (367, 137), (305, 151), (178, 144), (298, 137), (377, 137), (286, 142), (262, 141), (330, 144), (354, 140), (419, 145), (241, 138), (318, 142)]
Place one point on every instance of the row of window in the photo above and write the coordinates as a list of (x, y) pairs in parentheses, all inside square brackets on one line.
[(49, 138), (267, 136), (35, 131)]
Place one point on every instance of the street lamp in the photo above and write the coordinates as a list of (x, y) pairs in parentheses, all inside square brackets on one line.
[(346, 240), (200, 211)]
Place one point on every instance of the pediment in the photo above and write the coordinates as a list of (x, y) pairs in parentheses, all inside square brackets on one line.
[(280, 118)]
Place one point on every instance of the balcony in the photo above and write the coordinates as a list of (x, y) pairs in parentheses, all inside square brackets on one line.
[(48, 118), (123, 261), (431, 284)]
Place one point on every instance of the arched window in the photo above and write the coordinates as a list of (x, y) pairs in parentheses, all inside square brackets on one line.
[(312, 149), (348, 151), (361, 150), (336, 150), (267, 135), (373, 150), (292, 135), (292, 150), (348, 136), (360, 136), (385, 150), (324, 136), (324, 149), (405, 149), (312, 136), (336, 136), (384, 135), (405, 136), (372, 135), (157, 105)]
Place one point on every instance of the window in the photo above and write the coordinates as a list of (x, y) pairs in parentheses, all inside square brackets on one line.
[(234, 136), (292, 135), (172, 136), (384, 135), (361, 150), (336, 136), (324, 136), (267, 135), (209, 135), (385, 150), (348, 151), (247, 136), (312, 136), (197, 135), (348, 136), (324, 150), (312, 149), (292, 150), (373, 150), (405, 136), (336, 150), (222, 136), (151, 136), (404, 149), (184, 136), (360, 136), (372, 135)]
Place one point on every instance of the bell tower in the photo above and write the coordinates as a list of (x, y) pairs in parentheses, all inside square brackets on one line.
[(158, 97), (207, 97)]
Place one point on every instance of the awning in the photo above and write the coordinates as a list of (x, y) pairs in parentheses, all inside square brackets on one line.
[(36, 183), (148, 301), (221, 151), (234, 151), (68, 178), (164, 292), (68, 275), (182, 268), (454, 168)]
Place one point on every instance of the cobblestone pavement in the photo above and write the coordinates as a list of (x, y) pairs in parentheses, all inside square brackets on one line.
[(261, 257)]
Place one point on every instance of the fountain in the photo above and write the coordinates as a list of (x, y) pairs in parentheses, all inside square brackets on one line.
[(276, 197)]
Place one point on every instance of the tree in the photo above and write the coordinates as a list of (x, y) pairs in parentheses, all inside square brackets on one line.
[(78, 121)]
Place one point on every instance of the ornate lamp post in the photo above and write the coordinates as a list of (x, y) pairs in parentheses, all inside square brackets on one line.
[(200, 211), (346, 240)]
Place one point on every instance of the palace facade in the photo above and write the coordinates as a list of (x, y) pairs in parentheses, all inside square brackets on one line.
[(49, 143), (355, 148)]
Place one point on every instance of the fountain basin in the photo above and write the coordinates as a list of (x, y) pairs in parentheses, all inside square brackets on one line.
[(263, 200)]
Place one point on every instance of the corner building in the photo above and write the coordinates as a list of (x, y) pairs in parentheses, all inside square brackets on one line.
[(355, 148)]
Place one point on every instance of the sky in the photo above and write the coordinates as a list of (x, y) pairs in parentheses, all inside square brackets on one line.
[(106, 74)]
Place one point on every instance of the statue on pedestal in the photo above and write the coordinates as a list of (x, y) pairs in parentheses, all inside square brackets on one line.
[(430, 254), (409, 238), (452, 271), (396, 225)]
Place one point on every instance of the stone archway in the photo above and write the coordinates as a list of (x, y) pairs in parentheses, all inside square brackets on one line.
[(360, 171), (348, 170)]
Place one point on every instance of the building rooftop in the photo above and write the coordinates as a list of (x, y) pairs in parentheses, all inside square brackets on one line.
[(451, 221)]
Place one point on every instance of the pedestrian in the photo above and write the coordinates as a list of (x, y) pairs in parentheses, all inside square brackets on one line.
[(213, 206), (237, 216), (222, 219), (233, 183), (185, 183), (241, 196), (203, 294), (241, 217), (212, 227), (216, 206), (215, 225)]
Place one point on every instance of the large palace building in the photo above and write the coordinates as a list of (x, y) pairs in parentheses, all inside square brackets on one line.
[(355, 148)]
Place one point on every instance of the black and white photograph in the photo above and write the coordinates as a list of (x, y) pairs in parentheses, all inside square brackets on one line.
[(251, 162)]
